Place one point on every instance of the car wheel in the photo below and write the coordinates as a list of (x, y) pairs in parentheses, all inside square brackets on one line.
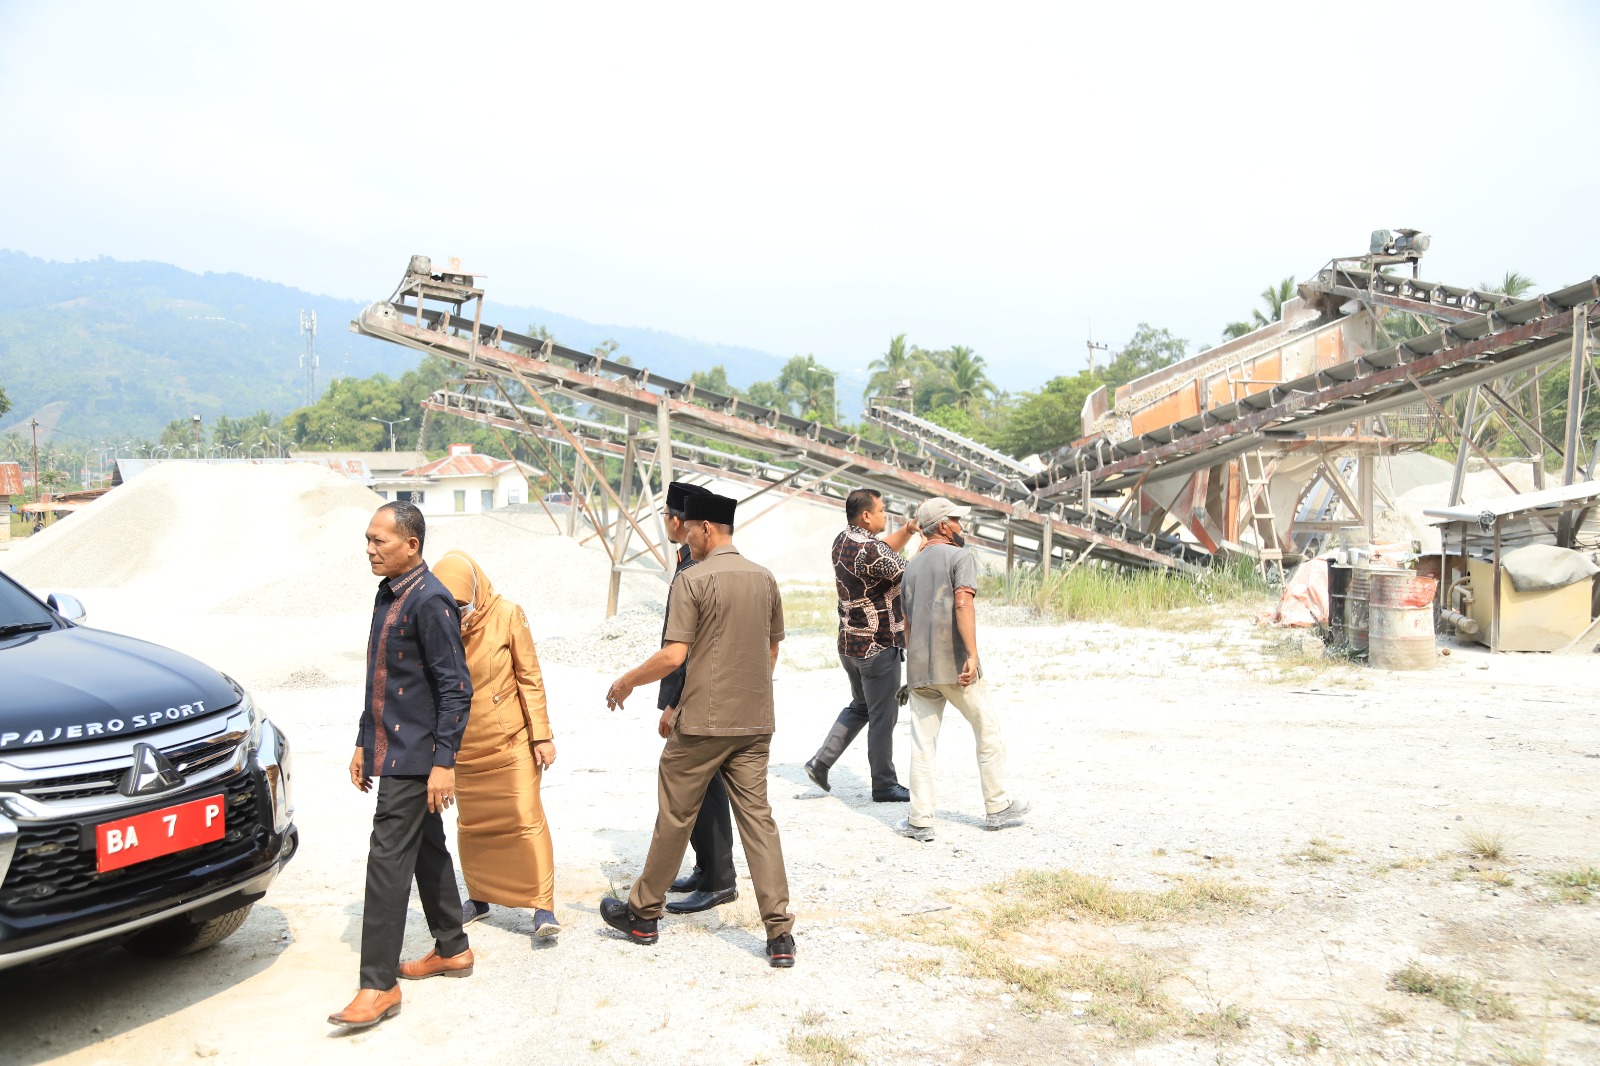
[(184, 936)]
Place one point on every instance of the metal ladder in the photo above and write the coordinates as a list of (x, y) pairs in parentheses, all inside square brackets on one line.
[(1262, 522)]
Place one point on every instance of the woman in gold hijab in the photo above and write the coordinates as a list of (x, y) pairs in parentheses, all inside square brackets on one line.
[(503, 841)]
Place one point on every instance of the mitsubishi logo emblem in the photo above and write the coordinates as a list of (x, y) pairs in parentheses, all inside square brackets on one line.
[(150, 772)]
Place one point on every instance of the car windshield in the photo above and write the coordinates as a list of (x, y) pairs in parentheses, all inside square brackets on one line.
[(18, 608)]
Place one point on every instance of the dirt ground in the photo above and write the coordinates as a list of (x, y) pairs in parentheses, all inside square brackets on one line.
[(1343, 800)]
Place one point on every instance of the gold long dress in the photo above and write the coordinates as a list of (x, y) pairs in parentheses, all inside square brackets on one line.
[(503, 841)]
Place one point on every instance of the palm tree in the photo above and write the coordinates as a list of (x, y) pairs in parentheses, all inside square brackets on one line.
[(809, 387), (1512, 285), (898, 364), (1274, 296), (966, 381)]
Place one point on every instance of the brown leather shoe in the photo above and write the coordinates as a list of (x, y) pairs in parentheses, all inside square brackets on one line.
[(370, 1007), (435, 965)]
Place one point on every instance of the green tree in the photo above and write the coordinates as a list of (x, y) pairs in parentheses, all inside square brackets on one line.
[(713, 380), (1149, 349), (964, 382), (1048, 418), (1513, 285), (808, 386), (5, 402), (1274, 296), (900, 363)]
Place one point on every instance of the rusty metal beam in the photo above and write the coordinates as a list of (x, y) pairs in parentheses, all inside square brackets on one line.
[(910, 481), (1311, 395)]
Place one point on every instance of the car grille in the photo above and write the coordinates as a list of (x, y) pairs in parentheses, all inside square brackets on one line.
[(53, 868), (189, 760)]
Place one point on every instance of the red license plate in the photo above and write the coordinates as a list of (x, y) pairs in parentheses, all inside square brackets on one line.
[(157, 833)]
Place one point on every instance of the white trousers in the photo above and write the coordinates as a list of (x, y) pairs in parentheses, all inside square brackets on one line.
[(927, 714)]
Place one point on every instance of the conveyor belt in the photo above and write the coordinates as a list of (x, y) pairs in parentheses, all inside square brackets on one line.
[(900, 475), (1486, 346)]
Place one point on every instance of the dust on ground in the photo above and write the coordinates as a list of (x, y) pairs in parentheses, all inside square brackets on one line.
[(1341, 803)]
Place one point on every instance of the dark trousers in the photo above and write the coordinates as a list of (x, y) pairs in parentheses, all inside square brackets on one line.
[(407, 843), (712, 838), (873, 684)]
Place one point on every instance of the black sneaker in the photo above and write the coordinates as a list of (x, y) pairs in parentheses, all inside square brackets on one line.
[(780, 951), (818, 774), (619, 916), (472, 910)]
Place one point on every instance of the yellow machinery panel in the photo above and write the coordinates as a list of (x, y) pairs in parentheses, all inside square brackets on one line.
[(1529, 621)]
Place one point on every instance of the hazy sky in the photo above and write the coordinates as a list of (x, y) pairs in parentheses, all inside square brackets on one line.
[(812, 178)]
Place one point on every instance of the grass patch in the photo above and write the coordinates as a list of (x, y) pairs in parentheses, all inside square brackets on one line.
[(1124, 993), (1456, 993), (1583, 1006), (1220, 1025), (1316, 850), (810, 610), (1484, 843), (820, 1049), (920, 967), (1091, 593), (1578, 885), (1035, 896), (811, 1017), (1303, 1041), (1492, 878)]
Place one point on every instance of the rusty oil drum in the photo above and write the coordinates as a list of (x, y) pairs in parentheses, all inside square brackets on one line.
[(1400, 621)]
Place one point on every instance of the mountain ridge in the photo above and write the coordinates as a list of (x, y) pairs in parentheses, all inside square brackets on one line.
[(129, 345)]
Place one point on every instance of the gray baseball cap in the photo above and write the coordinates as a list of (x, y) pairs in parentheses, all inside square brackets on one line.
[(936, 510)]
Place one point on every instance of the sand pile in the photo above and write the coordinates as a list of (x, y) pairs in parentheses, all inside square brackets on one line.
[(203, 536)]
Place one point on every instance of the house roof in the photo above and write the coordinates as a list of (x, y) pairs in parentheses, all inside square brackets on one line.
[(469, 465), (10, 479)]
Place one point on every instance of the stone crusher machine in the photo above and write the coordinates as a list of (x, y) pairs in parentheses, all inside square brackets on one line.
[(1210, 456), (1250, 447)]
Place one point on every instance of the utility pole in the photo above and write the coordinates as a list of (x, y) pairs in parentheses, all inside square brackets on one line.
[(33, 423), (197, 436), (391, 426)]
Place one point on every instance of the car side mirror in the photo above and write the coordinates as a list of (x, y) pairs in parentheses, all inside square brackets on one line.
[(68, 607)]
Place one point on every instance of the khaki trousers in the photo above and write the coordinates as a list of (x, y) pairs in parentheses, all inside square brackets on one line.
[(687, 764), (927, 714)]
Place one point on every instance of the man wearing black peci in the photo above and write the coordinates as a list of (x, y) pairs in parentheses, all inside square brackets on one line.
[(726, 622), (417, 700), (712, 881)]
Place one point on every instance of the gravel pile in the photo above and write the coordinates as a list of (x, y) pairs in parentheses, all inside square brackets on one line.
[(210, 538)]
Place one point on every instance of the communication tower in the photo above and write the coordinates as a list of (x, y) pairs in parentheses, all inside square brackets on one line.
[(308, 358)]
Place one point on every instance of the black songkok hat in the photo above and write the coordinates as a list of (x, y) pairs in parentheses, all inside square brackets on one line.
[(710, 508), (680, 491)]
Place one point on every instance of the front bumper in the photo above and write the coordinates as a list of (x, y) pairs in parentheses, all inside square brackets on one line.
[(52, 899)]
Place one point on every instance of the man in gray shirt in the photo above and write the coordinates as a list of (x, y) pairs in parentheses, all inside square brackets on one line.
[(938, 591)]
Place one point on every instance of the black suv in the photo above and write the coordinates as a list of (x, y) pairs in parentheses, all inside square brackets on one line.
[(142, 795)]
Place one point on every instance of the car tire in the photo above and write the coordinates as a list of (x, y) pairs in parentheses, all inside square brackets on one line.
[(180, 936)]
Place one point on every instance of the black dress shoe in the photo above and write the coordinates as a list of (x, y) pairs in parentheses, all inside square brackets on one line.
[(898, 794), (780, 951), (818, 774), (689, 882), (619, 916), (703, 900)]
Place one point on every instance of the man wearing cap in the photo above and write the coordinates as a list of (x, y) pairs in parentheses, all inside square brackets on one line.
[(942, 666), (712, 881), (867, 568), (726, 619)]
